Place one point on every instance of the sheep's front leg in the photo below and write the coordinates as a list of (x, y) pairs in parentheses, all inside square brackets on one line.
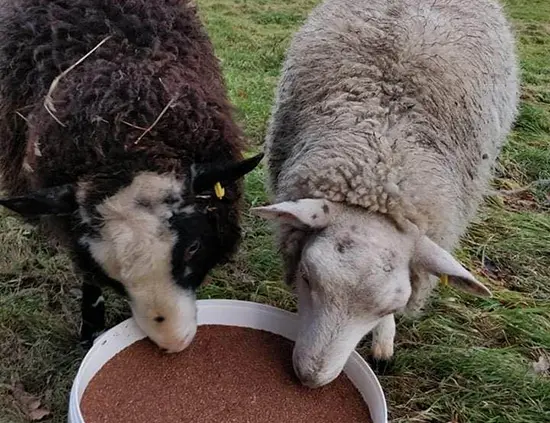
[(93, 313), (382, 338), (382, 344)]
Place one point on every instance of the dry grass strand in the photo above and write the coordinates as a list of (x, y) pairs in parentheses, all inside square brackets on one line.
[(48, 100), (162, 113)]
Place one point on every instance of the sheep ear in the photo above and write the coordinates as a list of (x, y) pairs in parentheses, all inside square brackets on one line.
[(438, 261), (207, 176), (59, 200), (305, 213)]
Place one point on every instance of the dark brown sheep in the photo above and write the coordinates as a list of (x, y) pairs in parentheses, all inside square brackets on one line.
[(123, 162)]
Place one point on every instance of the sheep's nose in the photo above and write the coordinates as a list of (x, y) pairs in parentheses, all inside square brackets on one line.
[(175, 348), (178, 346), (307, 378)]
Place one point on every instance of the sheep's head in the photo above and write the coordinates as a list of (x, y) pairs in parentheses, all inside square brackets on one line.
[(152, 236), (351, 269)]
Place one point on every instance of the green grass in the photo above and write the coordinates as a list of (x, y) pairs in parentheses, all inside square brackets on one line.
[(465, 360)]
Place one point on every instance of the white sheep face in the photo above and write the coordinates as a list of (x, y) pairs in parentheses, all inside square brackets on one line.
[(351, 276)]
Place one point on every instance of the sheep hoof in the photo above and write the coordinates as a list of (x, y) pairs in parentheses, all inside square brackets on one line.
[(86, 344), (88, 336), (380, 366)]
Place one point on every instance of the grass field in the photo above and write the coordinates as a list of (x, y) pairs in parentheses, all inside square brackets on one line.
[(465, 360)]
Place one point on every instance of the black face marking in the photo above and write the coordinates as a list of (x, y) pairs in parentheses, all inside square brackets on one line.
[(204, 239), (159, 319), (325, 208), (207, 230), (191, 250), (314, 216)]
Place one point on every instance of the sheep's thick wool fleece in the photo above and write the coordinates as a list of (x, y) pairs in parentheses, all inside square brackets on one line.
[(398, 106)]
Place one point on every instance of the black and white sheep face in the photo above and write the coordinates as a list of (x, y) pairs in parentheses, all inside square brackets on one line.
[(352, 274), (135, 246), (155, 238)]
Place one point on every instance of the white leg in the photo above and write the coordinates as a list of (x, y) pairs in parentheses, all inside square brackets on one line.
[(382, 338)]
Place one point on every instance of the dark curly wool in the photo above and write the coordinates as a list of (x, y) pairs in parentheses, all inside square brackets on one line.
[(158, 52)]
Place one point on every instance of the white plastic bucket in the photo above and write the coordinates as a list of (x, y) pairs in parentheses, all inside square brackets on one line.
[(229, 313)]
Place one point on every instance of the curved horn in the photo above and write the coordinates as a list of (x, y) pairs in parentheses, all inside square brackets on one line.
[(228, 172)]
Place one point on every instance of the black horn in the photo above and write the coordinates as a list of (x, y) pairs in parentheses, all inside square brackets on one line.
[(207, 176), (59, 200)]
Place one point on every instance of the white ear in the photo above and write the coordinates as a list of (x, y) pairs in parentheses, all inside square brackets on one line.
[(305, 213), (438, 261)]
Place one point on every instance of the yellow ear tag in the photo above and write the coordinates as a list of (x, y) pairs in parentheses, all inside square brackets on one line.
[(219, 190), (444, 279)]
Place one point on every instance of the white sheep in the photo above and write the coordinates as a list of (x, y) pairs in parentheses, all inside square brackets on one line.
[(389, 117)]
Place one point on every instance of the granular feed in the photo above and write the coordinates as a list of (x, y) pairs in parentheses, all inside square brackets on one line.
[(228, 374)]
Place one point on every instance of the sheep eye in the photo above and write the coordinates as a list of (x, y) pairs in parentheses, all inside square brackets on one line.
[(192, 249), (159, 319)]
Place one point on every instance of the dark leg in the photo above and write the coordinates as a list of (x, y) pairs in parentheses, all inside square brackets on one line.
[(380, 366), (93, 313)]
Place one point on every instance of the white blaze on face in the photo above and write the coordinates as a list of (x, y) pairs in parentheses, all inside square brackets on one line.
[(135, 248)]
